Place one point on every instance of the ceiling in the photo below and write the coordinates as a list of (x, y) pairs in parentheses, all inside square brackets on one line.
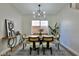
[(49, 8)]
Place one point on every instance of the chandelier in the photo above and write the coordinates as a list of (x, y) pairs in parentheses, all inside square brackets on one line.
[(39, 13)]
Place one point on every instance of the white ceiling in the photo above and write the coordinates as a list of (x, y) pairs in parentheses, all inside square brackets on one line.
[(49, 8)]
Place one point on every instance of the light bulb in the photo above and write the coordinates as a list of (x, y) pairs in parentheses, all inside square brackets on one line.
[(44, 16), (44, 12), (38, 14), (33, 12)]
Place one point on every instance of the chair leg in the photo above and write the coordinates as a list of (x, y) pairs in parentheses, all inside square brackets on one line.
[(23, 46), (58, 46), (30, 50), (51, 50), (38, 51), (43, 51)]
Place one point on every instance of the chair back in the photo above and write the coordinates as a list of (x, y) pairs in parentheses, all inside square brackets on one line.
[(33, 39), (48, 38)]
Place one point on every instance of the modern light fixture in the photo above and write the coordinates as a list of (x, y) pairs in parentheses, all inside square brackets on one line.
[(39, 13)]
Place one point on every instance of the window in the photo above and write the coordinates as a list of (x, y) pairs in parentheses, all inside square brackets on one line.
[(44, 23), (44, 26), (37, 25)]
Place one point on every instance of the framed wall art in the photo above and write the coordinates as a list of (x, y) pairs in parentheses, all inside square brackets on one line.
[(9, 25)]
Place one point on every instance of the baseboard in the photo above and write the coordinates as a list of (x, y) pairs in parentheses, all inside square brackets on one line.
[(74, 53)]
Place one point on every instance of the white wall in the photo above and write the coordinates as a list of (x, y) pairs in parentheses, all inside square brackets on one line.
[(8, 12), (27, 19), (69, 20)]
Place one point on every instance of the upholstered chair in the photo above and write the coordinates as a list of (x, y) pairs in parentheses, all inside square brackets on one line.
[(34, 43), (47, 43)]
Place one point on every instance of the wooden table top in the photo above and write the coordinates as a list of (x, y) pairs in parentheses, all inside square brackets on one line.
[(26, 37)]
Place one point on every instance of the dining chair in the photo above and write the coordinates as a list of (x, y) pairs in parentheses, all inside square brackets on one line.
[(34, 43), (47, 43)]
